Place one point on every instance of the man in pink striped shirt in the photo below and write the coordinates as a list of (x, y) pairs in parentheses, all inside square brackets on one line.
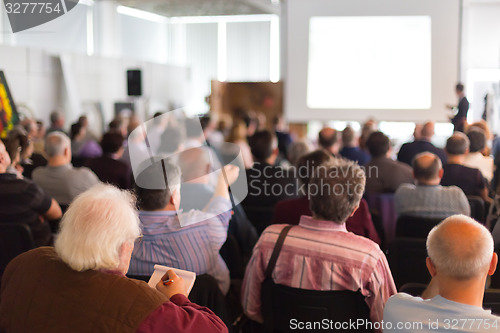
[(319, 253)]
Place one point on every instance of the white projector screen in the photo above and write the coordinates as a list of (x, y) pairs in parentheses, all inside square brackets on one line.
[(393, 60)]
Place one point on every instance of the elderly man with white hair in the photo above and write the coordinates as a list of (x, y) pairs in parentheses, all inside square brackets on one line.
[(460, 259), (80, 285), (59, 178)]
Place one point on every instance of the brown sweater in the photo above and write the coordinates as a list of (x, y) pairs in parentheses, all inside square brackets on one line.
[(40, 293)]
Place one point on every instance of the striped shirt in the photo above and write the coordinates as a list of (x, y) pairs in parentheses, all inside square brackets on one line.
[(431, 201), (194, 247), (320, 255)]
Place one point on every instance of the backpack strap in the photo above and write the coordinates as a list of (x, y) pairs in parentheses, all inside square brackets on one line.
[(277, 250)]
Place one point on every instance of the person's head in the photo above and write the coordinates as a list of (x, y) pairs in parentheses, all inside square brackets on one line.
[(427, 131), (427, 169), (193, 129), (155, 190), (482, 125), (327, 139), (57, 119), (460, 249), (30, 127), (459, 89), (457, 144), (112, 143), (264, 146), (296, 150), (77, 132), (335, 190), (238, 132), (417, 132), (195, 165), (4, 158), (18, 144), (477, 140), (98, 230), (308, 163), (171, 140), (367, 129), (378, 144), (58, 146), (348, 137), (84, 121), (118, 125)]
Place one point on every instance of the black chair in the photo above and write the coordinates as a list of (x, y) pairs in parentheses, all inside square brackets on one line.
[(415, 227), (260, 216), (406, 257), (281, 305), (477, 208), (491, 300), (15, 238)]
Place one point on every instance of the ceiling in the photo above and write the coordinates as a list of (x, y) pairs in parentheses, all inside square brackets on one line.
[(204, 7)]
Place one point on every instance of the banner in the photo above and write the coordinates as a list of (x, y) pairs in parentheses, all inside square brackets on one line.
[(8, 112)]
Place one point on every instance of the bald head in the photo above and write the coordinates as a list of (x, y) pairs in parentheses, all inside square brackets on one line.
[(427, 131), (327, 137), (460, 248), (426, 167), (194, 163)]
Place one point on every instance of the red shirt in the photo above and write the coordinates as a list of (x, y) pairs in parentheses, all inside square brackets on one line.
[(290, 211)]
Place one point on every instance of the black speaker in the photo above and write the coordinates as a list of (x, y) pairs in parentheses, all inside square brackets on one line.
[(134, 82)]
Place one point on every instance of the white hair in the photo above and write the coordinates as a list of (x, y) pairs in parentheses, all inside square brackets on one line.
[(460, 255), (56, 143), (95, 226)]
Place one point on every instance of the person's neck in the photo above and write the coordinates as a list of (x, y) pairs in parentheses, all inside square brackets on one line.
[(456, 159), (57, 161), (432, 182), (469, 291), (334, 150), (424, 138)]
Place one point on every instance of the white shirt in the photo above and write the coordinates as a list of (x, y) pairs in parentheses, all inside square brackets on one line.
[(485, 164), (405, 313)]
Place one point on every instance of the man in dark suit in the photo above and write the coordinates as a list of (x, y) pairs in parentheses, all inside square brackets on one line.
[(421, 144), (460, 118), (267, 183)]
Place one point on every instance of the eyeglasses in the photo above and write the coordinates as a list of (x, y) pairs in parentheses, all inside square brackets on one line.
[(139, 239)]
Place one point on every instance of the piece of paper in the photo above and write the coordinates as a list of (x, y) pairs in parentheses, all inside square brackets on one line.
[(160, 270)]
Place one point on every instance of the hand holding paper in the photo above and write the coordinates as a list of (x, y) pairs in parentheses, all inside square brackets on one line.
[(174, 286)]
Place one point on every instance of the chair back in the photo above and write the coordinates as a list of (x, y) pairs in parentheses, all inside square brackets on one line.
[(415, 227), (281, 305), (406, 257), (477, 208), (260, 216), (383, 205), (15, 238)]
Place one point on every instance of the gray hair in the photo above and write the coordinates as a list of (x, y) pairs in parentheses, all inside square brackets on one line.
[(95, 226), (56, 143), (457, 144), (55, 116), (296, 150), (445, 247), (335, 189)]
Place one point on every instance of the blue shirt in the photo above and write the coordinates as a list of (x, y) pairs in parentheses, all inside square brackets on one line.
[(193, 247)]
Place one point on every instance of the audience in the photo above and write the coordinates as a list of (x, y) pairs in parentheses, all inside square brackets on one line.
[(19, 148), (284, 138), (475, 157), (296, 150), (428, 198), (421, 144), (80, 285), (238, 135), (23, 201), (59, 178), (460, 257), (384, 175), (351, 150), (328, 140), (290, 211), (470, 180), (189, 241), (109, 167), (319, 253)]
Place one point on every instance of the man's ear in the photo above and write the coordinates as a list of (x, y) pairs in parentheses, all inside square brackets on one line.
[(430, 267), (493, 264), (441, 173)]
